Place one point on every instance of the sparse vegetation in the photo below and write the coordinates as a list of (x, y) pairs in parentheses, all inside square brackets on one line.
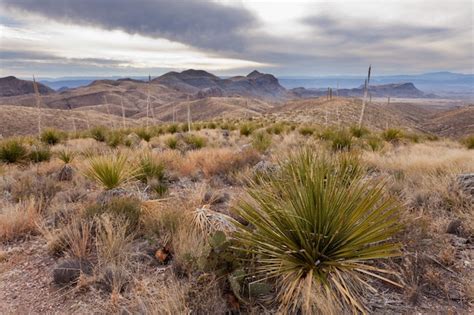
[(181, 214)]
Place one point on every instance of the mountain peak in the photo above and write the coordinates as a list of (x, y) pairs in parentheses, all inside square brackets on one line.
[(254, 73)]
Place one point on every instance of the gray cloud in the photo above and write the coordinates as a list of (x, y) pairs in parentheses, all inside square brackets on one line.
[(199, 23), (368, 32)]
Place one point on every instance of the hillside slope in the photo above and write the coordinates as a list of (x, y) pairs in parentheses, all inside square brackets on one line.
[(11, 86)]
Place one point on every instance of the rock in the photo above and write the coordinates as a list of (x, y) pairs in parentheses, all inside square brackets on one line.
[(214, 198), (466, 182), (106, 196), (265, 167), (66, 173), (455, 227), (132, 140), (68, 271), (114, 278)]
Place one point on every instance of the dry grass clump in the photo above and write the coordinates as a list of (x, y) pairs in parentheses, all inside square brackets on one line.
[(19, 219), (216, 161)]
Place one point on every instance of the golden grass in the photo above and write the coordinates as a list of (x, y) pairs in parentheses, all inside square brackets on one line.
[(19, 219)]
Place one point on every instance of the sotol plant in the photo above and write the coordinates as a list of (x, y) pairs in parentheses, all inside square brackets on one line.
[(110, 171), (316, 228)]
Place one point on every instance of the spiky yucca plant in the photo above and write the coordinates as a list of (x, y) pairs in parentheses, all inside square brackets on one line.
[(315, 228), (110, 171), (66, 155)]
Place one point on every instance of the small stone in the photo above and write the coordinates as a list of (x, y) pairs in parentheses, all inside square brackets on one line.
[(66, 173), (455, 227), (68, 271), (466, 182)]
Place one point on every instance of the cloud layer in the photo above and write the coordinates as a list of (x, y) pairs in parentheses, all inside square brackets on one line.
[(306, 37)]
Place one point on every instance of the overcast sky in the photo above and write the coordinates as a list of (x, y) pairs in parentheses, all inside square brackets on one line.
[(52, 38)]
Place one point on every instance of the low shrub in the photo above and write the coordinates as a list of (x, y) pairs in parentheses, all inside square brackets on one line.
[(125, 207), (114, 138), (359, 132), (306, 130), (374, 143), (12, 151), (341, 140), (51, 136), (173, 128), (261, 141), (392, 135), (194, 141), (150, 168), (39, 153), (171, 142), (144, 134), (246, 129), (468, 142), (66, 156), (98, 133)]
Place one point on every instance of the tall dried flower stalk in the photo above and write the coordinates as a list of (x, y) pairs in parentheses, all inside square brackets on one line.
[(38, 104), (364, 100)]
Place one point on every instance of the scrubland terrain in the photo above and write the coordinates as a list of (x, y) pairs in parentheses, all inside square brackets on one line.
[(292, 211)]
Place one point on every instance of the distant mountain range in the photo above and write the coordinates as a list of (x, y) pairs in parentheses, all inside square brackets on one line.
[(11, 86), (446, 84)]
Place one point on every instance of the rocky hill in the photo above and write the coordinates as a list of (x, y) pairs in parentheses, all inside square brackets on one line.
[(405, 90), (203, 84), (11, 86)]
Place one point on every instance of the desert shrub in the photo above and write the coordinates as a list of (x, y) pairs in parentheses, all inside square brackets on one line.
[(173, 128), (342, 140), (114, 138), (128, 208), (98, 133), (468, 142), (316, 228), (374, 143), (327, 134), (67, 156), (194, 141), (413, 137), (359, 132), (12, 151), (261, 141), (246, 129), (171, 142), (150, 167), (306, 130), (392, 135), (110, 171), (39, 153), (276, 129), (51, 136), (211, 125), (144, 134)]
